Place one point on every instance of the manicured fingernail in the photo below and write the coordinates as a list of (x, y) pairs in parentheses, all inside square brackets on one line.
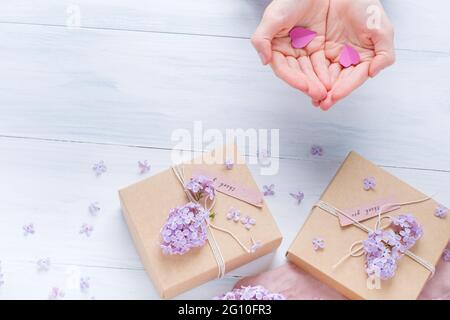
[(263, 59)]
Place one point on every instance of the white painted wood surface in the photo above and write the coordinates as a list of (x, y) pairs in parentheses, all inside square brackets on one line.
[(115, 89)]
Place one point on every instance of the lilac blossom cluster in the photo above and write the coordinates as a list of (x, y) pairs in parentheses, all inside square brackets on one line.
[(384, 248), (201, 186), (409, 230), (184, 229), (250, 293)]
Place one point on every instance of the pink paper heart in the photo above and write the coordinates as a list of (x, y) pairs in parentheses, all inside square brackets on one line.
[(349, 56), (301, 37)]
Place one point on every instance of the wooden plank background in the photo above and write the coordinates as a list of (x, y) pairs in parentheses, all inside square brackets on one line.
[(115, 89)]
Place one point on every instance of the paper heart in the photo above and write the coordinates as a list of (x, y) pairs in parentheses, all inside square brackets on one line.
[(383, 248), (349, 56), (301, 37)]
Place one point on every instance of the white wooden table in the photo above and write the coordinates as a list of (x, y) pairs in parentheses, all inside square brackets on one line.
[(115, 88)]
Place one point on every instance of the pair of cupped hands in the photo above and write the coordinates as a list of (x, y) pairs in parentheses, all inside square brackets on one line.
[(315, 69)]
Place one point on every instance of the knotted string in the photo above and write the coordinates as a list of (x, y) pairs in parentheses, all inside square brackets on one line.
[(208, 206), (357, 251)]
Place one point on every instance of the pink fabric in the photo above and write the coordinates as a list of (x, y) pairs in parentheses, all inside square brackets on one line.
[(295, 284)]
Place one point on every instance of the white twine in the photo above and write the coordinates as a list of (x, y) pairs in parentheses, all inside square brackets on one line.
[(358, 251), (179, 173)]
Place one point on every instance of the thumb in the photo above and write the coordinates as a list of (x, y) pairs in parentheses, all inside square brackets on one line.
[(262, 38), (383, 41)]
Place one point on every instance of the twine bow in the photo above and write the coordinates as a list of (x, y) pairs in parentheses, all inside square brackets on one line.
[(208, 204), (357, 248)]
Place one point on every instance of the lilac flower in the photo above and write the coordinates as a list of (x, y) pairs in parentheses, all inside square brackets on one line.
[(201, 186), (84, 284), (316, 150), (234, 214), (382, 267), (56, 293), (248, 222), (264, 157), (86, 229), (299, 196), (99, 168), (384, 248), (369, 183), (250, 293), (409, 230), (43, 265), (185, 228), (255, 246), (229, 164), (269, 190), (94, 209), (28, 229), (446, 255), (318, 243), (144, 166), (441, 212)]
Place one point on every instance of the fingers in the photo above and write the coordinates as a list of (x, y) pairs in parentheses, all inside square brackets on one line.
[(317, 90), (285, 70), (334, 70), (348, 80), (383, 41), (265, 32), (321, 64)]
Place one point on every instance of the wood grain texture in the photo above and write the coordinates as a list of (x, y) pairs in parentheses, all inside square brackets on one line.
[(414, 21), (117, 88), (51, 184), (135, 89)]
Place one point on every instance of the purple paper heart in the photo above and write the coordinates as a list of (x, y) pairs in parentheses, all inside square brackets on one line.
[(301, 37), (349, 56)]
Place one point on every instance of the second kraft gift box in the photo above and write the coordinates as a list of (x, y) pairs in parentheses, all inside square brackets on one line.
[(146, 206), (356, 194)]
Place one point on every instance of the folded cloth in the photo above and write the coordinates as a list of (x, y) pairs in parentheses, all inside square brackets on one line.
[(295, 284)]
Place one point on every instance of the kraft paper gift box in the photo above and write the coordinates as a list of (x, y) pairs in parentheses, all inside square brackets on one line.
[(146, 205), (346, 193)]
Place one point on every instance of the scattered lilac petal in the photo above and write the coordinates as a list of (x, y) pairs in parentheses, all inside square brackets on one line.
[(43, 265), (234, 214), (86, 229), (56, 293), (264, 157), (248, 222), (144, 166), (316, 150), (94, 209), (369, 183), (318, 243), (229, 164), (446, 255), (441, 212), (255, 246), (99, 168), (269, 190), (84, 284), (250, 293), (299, 196), (28, 229), (185, 229)]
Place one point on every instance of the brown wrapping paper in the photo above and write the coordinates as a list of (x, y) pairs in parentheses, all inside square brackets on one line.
[(344, 192), (146, 205)]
